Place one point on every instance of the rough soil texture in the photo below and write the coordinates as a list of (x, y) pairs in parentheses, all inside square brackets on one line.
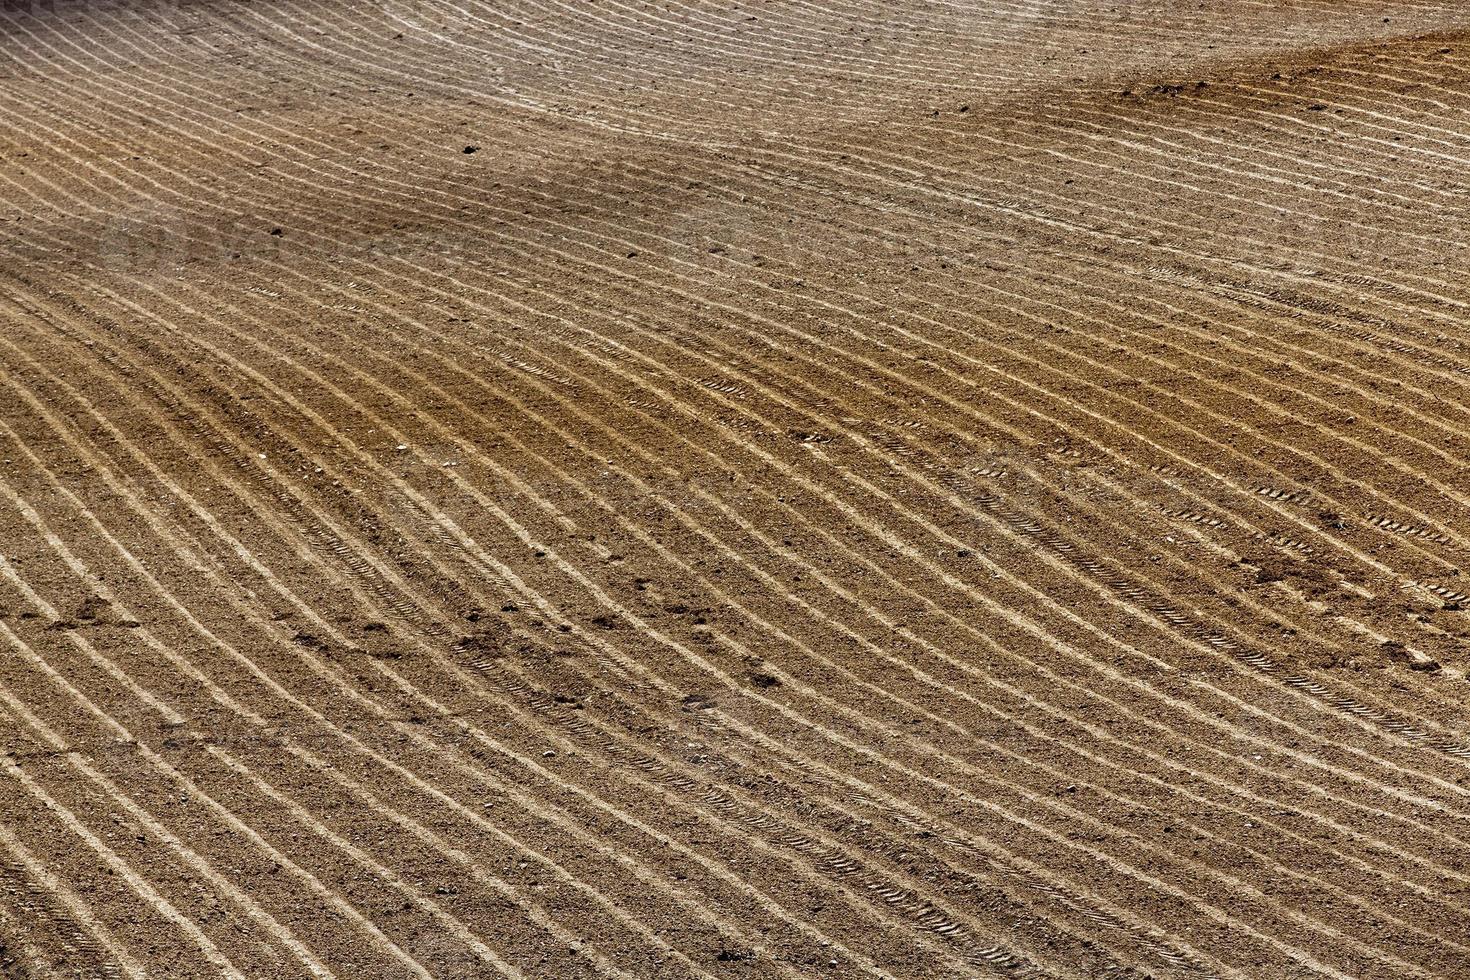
[(806, 488)]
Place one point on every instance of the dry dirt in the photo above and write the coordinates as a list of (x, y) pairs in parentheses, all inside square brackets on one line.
[(807, 488)]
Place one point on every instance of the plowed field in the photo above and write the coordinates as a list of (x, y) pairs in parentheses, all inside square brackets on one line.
[(757, 488)]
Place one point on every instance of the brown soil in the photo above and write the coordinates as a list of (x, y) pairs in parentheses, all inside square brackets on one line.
[(800, 489)]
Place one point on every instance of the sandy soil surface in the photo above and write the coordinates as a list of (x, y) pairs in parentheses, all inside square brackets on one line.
[(804, 488)]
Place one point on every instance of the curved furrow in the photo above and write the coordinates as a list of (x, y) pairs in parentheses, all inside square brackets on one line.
[(343, 640), (33, 891), (971, 200), (826, 488), (172, 718)]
